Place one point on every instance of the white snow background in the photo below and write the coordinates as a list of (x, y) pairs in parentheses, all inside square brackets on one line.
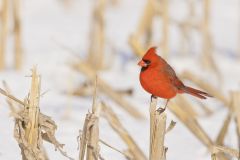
[(47, 23)]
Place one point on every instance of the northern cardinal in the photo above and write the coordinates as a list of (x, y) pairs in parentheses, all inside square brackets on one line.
[(159, 79)]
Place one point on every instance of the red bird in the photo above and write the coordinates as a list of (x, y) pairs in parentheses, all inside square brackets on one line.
[(159, 79)]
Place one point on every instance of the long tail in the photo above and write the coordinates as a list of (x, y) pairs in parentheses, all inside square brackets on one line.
[(195, 92)]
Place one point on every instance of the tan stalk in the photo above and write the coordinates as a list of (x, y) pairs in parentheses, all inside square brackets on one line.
[(97, 36), (93, 142), (224, 129), (213, 157), (157, 133), (207, 56), (17, 34), (136, 46), (229, 151), (146, 19), (93, 147), (90, 136), (236, 112), (115, 149), (9, 100), (114, 122), (32, 128), (86, 89), (145, 26), (4, 32), (153, 8), (83, 138), (165, 29), (5, 93)]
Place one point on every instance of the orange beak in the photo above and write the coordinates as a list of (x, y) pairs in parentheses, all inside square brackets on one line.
[(142, 63)]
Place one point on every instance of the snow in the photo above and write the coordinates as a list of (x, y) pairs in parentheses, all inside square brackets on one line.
[(46, 24)]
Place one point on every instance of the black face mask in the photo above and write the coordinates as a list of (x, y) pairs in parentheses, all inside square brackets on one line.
[(148, 63)]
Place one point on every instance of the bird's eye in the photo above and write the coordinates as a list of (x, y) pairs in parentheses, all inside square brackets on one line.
[(147, 61)]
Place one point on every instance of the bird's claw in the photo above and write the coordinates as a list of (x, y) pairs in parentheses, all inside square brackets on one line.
[(161, 110), (152, 96)]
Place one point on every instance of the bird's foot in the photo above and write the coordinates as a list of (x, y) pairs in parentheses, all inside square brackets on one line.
[(152, 96), (161, 110)]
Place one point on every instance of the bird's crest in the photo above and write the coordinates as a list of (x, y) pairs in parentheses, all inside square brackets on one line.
[(152, 52)]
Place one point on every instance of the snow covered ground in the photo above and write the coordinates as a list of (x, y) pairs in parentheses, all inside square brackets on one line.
[(47, 22)]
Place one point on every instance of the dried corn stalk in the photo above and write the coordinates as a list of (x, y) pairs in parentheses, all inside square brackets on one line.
[(17, 34), (9, 100), (157, 133), (165, 28), (224, 129), (90, 136), (236, 112), (115, 149), (32, 111), (5, 18), (93, 147), (146, 19), (4, 31), (97, 37), (214, 157), (133, 150), (136, 46), (31, 126), (229, 151), (153, 8), (87, 88), (207, 56), (145, 26)]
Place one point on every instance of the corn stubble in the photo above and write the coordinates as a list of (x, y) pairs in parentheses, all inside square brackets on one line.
[(133, 152), (32, 126), (10, 11), (89, 138), (157, 133)]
